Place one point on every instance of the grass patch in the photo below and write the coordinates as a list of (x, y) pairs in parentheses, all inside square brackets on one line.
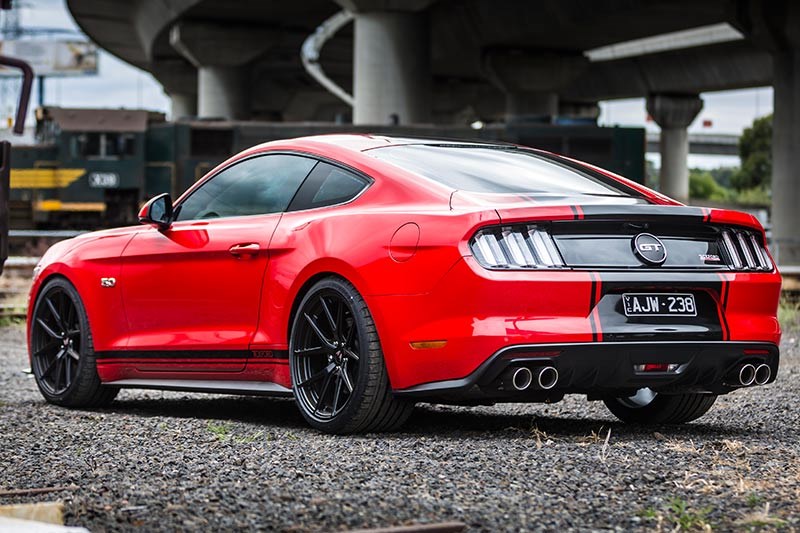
[(788, 313), (221, 431), (679, 516), (7, 321)]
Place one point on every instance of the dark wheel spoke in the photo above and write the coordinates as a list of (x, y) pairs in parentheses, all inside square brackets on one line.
[(318, 350), (52, 364), (46, 348), (67, 373), (325, 386), (346, 380), (72, 353), (329, 316), (55, 313), (350, 353), (58, 373), (318, 332), (73, 332), (338, 392), (317, 376), (47, 328)]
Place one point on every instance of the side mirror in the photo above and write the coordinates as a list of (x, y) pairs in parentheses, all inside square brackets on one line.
[(158, 211)]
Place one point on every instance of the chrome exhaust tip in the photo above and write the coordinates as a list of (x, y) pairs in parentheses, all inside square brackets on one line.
[(747, 375), (763, 373), (547, 377), (521, 378)]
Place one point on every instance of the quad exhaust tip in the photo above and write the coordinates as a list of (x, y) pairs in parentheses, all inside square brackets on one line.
[(521, 378), (547, 378), (747, 375), (762, 374)]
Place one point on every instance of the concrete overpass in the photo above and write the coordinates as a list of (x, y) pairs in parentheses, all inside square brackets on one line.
[(701, 143), (446, 61)]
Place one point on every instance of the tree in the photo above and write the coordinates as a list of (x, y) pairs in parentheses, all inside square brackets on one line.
[(755, 150)]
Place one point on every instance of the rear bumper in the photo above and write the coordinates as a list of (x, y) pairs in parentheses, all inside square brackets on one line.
[(481, 313), (607, 368)]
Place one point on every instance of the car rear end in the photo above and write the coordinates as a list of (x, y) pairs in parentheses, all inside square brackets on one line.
[(596, 294)]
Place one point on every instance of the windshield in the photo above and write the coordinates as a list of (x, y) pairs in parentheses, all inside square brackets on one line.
[(496, 169)]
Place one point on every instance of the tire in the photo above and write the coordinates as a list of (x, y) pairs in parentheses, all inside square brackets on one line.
[(338, 373), (61, 349), (648, 407)]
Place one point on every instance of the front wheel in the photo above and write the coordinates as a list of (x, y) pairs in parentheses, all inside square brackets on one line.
[(62, 354), (650, 407), (338, 373)]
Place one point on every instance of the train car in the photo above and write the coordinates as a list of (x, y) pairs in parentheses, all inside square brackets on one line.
[(94, 167)]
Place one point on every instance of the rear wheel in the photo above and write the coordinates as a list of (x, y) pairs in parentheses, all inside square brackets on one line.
[(650, 407), (338, 373), (62, 355)]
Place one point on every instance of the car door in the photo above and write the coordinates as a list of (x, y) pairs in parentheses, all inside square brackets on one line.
[(192, 292)]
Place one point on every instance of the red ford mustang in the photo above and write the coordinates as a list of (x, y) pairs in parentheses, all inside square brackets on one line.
[(361, 274)]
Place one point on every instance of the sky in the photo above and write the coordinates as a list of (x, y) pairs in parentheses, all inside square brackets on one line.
[(121, 85)]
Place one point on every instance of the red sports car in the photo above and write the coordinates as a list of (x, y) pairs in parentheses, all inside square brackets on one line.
[(362, 274)]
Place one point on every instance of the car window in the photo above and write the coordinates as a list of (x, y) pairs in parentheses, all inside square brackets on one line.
[(328, 185), (256, 186), (494, 169)]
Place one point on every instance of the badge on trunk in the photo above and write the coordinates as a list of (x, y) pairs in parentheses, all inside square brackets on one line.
[(649, 249)]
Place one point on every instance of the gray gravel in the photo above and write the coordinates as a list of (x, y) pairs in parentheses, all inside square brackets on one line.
[(166, 461)]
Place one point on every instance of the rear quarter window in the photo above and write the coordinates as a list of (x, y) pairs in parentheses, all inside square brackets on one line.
[(328, 185)]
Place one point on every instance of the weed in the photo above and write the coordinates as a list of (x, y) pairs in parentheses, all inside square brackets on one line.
[(754, 500), (761, 519), (685, 518), (220, 431)]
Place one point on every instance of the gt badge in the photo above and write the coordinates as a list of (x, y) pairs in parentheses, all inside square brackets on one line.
[(649, 249), (108, 282)]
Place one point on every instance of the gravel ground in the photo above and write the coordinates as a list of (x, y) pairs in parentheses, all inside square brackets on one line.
[(167, 461)]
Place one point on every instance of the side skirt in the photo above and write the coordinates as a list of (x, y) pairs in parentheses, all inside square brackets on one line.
[(254, 388)]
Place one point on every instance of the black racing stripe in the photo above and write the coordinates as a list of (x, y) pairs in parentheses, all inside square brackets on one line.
[(592, 302), (174, 354), (575, 213)]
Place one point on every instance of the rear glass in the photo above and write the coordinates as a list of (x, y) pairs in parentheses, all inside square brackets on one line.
[(497, 170)]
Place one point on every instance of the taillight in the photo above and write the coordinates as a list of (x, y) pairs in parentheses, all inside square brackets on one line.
[(745, 250), (515, 247)]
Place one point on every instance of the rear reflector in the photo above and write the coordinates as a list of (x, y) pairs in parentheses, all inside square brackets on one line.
[(427, 345)]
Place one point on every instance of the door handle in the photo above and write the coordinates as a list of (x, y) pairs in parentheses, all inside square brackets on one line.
[(244, 249)]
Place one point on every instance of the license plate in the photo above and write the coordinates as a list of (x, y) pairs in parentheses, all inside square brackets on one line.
[(651, 304)]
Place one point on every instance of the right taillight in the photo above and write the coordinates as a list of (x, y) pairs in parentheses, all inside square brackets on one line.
[(745, 250), (515, 247)]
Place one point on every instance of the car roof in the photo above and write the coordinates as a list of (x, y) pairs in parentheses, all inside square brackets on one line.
[(362, 142)]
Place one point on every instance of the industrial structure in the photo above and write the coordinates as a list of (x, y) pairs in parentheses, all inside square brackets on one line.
[(454, 61)]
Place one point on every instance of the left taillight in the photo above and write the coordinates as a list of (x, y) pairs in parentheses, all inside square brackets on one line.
[(515, 247)]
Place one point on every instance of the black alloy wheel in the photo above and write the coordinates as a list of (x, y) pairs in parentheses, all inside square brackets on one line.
[(338, 373), (326, 355), (62, 357)]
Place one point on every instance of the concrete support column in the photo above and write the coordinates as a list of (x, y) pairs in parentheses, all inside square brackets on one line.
[(182, 105), (392, 70), (221, 54), (223, 92), (786, 157), (674, 114)]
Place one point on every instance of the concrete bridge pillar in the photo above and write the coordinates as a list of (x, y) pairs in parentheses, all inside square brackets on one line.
[(674, 114), (531, 80), (391, 61), (221, 55), (182, 105), (775, 27)]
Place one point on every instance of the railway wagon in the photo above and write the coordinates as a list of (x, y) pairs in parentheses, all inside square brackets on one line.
[(93, 168)]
